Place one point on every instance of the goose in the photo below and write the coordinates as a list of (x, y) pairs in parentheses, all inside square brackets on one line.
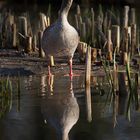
[(61, 39)]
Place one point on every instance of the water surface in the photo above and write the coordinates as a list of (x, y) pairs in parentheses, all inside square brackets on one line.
[(48, 106)]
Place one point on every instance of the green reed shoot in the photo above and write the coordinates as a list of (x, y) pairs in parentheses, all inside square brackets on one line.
[(130, 90)]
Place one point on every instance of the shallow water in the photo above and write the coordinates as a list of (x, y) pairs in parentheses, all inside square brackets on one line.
[(47, 107)]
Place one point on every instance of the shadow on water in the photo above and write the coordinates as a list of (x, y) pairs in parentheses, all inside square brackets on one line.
[(57, 108)]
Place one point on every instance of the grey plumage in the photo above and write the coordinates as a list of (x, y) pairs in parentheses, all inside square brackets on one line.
[(61, 39)]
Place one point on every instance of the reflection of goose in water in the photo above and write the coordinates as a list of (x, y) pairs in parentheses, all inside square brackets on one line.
[(61, 39), (62, 112)]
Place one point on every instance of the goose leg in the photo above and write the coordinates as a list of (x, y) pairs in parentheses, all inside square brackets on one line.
[(49, 71), (71, 72)]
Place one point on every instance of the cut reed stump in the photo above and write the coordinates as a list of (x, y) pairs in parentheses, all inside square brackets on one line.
[(116, 37)]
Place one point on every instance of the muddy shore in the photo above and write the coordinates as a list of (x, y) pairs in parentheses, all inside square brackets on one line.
[(13, 62)]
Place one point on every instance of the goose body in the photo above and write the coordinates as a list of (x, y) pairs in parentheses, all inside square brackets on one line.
[(61, 39)]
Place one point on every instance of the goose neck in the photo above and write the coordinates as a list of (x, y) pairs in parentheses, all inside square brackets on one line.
[(65, 7)]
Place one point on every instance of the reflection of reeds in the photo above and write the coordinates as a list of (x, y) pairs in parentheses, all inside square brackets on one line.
[(18, 92), (133, 90), (5, 95)]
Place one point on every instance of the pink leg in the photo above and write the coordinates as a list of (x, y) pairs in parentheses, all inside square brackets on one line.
[(71, 73), (49, 71)]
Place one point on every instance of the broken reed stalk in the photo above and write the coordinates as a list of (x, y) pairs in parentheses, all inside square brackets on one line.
[(78, 12), (92, 27), (34, 46), (125, 22), (14, 44), (41, 52), (83, 32), (88, 82), (76, 22), (101, 12), (109, 46), (105, 24), (23, 26), (133, 16), (78, 19), (23, 31), (116, 37), (28, 47), (42, 21), (125, 36), (49, 11), (88, 65), (88, 29), (133, 39), (125, 47)]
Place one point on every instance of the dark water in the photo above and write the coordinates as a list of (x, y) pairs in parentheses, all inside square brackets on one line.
[(48, 108)]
